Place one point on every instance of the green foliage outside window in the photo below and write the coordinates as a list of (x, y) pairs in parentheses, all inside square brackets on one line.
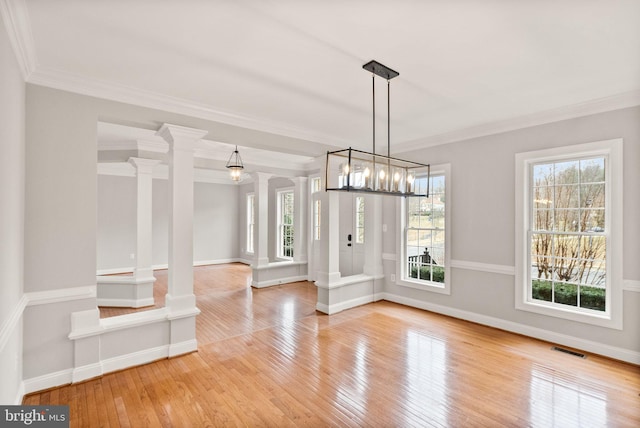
[(567, 294)]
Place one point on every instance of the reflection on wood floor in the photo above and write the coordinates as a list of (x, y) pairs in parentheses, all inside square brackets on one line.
[(266, 358)]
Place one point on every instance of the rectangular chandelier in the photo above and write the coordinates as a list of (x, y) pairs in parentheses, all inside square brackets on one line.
[(351, 170)]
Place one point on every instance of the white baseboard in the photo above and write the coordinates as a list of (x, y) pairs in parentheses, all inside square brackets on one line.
[(135, 358), (87, 372), (126, 303), (342, 306), (114, 271), (182, 348), (50, 380), (19, 395), (278, 281), (534, 332)]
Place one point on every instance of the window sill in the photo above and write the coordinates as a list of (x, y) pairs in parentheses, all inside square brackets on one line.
[(434, 287), (584, 316)]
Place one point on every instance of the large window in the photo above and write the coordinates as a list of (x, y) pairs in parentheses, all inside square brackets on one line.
[(425, 252), (250, 221), (567, 252), (285, 224)]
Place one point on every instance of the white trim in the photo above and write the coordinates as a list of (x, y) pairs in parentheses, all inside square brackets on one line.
[(10, 324), (47, 297), (113, 271), (58, 79), (600, 105), (135, 359), (89, 371), (19, 394), (348, 280), (483, 267), (18, 26), (278, 281), (617, 353), (612, 149), (631, 285), (49, 380), (279, 264), (126, 303), (182, 348), (342, 306), (389, 256)]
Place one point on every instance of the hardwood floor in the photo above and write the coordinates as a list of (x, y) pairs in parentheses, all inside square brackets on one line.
[(267, 358)]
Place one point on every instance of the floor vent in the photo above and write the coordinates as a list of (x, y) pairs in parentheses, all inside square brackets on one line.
[(566, 351)]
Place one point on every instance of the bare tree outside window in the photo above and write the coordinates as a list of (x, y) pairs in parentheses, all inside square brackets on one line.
[(568, 239)]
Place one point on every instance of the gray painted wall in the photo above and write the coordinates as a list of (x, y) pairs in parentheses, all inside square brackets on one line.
[(12, 171), (215, 221), (483, 221)]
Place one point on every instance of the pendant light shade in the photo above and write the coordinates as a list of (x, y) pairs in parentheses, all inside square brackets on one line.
[(235, 165)]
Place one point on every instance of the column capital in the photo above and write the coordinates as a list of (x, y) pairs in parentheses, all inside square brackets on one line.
[(259, 176), (180, 137), (142, 165)]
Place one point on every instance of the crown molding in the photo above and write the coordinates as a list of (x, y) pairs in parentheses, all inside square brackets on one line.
[(59, 79), (16, 20), (600, 105)]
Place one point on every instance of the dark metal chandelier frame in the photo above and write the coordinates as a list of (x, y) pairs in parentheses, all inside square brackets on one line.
[(352, 170)]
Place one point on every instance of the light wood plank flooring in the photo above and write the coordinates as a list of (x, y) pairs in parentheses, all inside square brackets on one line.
[(266, 358)]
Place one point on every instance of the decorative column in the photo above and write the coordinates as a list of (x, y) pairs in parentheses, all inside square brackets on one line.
[(329, 260), (144, 217), (300, 193), (261, 222), (180, 300)]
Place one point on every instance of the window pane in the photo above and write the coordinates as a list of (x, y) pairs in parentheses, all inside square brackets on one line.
[(543, 175), (592, 195), (567, 172), (543, 219), (542, 290), (592, 220), (567, 196), (592, 170), (593, 298), (566, 294), (567, 220)]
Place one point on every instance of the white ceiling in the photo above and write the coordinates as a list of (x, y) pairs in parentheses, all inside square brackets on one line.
[(295, 67)]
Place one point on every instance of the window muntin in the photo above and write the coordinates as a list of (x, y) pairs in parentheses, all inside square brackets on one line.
[(575, 224), (425, 232), (316, 184), (285, 224), (359, 220), (250, 221), (568, 239)]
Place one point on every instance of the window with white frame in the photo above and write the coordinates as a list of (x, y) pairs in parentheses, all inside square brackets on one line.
[(316, 184), (568, 242), (425, 256), (316, 219), (285, 224), (359, 220), (250, 221)]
